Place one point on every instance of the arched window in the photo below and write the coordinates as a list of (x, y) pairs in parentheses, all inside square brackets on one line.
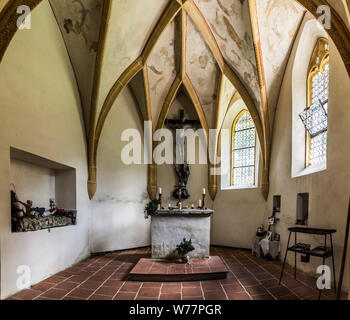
[(243, 151), (317, 111)]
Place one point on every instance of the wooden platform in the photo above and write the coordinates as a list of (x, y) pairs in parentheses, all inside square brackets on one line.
[(169, 270)]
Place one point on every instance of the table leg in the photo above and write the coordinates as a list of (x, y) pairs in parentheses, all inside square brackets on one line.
[(334, 277), (285, 258), (295, 256), (324, 261)]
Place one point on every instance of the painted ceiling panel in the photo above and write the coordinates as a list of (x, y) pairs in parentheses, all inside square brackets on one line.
[(229, 21), (276, 42), (130, 26), (79, 21), (161, 70), (202, 70)]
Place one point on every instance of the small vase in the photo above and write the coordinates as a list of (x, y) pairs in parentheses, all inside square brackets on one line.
[(186, 258)]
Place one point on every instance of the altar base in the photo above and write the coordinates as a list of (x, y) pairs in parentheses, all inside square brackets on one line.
[(170, 227)]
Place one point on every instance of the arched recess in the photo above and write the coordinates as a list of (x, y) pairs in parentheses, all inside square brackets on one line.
[(310, 32)]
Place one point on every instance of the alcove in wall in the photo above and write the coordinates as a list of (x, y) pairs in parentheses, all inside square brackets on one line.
[(38, 179), (302, 209)]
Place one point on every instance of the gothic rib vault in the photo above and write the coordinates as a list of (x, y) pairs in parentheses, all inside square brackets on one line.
[(215, 50)]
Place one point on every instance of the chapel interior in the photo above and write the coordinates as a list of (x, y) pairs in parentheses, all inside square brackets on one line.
[(87, 213)]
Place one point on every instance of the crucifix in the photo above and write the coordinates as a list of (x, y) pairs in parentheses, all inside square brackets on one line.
[(182, 169)]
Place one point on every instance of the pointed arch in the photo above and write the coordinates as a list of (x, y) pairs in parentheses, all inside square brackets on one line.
[(166, 18)]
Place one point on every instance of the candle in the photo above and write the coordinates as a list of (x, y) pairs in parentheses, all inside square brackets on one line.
[(200, 203), (160, 190), (203, 191)]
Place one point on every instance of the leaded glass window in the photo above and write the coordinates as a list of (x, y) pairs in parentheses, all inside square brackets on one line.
[(318, 148), (243, 150), (315, 116)]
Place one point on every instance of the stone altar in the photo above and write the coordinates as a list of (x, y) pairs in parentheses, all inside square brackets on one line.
[(169, 227)]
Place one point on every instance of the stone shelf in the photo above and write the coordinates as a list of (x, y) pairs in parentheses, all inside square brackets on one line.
[(183, 213)]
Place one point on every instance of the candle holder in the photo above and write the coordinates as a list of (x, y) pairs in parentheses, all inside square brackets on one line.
[(179, 192), (203, 202), (160, 200)]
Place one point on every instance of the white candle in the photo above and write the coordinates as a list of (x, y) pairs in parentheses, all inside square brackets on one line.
[(200, 203), (204, 191), (160, 190)]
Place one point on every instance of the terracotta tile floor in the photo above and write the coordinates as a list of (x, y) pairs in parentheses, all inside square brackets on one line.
[(105, 277)]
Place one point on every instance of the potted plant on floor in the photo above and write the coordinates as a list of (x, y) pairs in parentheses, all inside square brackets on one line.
[(184, 248)]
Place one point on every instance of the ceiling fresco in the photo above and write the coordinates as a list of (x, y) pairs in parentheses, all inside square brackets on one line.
[(79, 21), (161, 70), (276, 42), (202, 70), (229, 21), (130, 25)]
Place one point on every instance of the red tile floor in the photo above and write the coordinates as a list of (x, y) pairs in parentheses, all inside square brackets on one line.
[(105, 277)]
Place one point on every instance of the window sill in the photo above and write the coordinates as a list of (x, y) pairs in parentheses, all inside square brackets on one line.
[(311, 169), (239, 188)]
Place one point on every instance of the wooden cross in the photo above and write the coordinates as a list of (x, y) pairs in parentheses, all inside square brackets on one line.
[(181, 122)]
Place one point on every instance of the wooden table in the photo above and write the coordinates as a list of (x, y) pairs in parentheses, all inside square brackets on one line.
[(314, 252)]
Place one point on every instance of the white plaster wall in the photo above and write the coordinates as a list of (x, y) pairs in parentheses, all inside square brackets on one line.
[(238, 212), (118, 219), (329, 189), (40, 112)]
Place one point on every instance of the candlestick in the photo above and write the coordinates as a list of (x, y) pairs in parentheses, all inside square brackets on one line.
[(203, 204), (160, 199), (179, 201)]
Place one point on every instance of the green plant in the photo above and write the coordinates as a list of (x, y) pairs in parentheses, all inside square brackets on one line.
[(151, 207), (184, 247)]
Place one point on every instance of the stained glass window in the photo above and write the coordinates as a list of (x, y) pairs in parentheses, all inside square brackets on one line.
[(243, 150), (315, 116), (318, 149)]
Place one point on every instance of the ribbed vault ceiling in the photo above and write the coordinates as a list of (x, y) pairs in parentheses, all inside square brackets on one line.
[(130, 25), (213, 51)]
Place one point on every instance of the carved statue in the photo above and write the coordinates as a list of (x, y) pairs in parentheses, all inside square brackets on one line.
[(183, 173), (27, 218)]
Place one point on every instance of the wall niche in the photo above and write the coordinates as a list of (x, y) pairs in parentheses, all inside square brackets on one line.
[(43, 192), (302, 209)]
